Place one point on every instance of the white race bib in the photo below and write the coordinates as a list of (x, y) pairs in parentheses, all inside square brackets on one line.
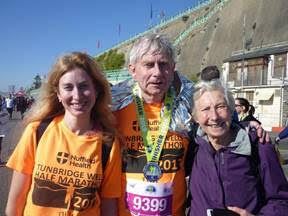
[(149, 198)]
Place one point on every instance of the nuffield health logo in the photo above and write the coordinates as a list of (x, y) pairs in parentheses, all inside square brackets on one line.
[(62, 157), (75, 160)]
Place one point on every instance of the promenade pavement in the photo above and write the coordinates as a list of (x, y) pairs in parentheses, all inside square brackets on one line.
[(12, 129)]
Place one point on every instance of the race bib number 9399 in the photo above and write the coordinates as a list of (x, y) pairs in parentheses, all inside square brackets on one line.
[(146, 198)]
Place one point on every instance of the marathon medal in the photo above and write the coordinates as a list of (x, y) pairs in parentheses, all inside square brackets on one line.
[(152, 171)]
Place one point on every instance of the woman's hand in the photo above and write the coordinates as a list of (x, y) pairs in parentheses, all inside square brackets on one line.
[(240, 211)]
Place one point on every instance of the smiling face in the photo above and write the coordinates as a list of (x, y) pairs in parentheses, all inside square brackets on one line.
[(76, 93), (154, 73), (213, 114)]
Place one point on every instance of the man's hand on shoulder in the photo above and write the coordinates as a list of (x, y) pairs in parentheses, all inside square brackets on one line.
[(261, 133), (277, 140)]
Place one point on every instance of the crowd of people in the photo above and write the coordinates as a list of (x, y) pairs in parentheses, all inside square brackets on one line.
[(15, 103), (89, 149)]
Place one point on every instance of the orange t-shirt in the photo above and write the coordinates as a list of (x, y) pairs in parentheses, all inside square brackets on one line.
[(66, 169), (171, 163)]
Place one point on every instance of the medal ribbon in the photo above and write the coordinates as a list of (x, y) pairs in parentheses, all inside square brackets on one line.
[(153, 152)]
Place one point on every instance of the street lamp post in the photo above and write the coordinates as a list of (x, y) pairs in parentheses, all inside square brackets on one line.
[(243, 49)]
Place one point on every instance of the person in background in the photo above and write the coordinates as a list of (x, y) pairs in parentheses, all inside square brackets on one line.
[(21, 105), (2, 135), (226, 173), (209, 73), (31, 101), (251, 113), (62, 173), (241, 107), (282, 135), (9, 105), (251, 110), (3, 105), (1, 102), (245, 110)]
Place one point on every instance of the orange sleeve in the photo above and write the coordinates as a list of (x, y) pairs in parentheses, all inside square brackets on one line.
[(23, 157), (111, 185)]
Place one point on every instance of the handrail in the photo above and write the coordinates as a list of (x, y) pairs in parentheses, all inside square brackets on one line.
[(115, 76), (199, 21), (263, 46), (159, 25)]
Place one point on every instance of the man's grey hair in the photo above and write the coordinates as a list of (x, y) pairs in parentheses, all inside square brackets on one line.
[(151, 43), (207, 86)]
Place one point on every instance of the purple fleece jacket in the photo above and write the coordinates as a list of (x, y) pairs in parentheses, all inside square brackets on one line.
[(226, 178)]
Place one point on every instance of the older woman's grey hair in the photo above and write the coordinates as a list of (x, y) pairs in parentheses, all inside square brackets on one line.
[(153, 43), (207, 86)]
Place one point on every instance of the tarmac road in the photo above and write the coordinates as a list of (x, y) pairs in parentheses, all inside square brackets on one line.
[(13, 130)]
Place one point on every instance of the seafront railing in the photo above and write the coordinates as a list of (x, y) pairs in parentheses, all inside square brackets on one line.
[(161, 24), (199, 21), (115, 76)]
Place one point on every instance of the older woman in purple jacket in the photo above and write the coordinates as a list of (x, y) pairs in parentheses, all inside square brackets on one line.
[(225, 173)]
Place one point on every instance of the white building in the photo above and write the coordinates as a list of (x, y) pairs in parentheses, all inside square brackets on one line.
[(260, 75)]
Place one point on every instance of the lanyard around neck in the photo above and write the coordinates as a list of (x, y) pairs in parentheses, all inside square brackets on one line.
[(153, 152)]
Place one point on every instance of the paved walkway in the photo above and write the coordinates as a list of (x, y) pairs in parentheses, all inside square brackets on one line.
[(12, 129)]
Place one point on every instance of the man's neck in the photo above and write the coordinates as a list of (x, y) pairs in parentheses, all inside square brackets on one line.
[(150, 99)]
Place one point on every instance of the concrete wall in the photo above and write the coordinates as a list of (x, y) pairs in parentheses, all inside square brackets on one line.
[(266, 22)]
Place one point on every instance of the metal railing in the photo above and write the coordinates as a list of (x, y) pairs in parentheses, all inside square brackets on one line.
[(199, 21), (159, 25), (115, 76)]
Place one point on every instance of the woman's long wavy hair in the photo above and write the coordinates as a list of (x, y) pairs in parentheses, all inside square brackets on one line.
[(47, 104)]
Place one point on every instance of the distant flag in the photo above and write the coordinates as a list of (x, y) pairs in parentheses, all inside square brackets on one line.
[(151, 11), (162, 14), (98, 44), (119, 29)]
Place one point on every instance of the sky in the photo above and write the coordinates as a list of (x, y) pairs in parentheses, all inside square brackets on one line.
[(35, 33)]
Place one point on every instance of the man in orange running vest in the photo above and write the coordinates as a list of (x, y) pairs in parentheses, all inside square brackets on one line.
[(153, 113)]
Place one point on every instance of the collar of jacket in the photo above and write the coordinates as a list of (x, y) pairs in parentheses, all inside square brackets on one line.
[(181, 114), (241, 144)]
